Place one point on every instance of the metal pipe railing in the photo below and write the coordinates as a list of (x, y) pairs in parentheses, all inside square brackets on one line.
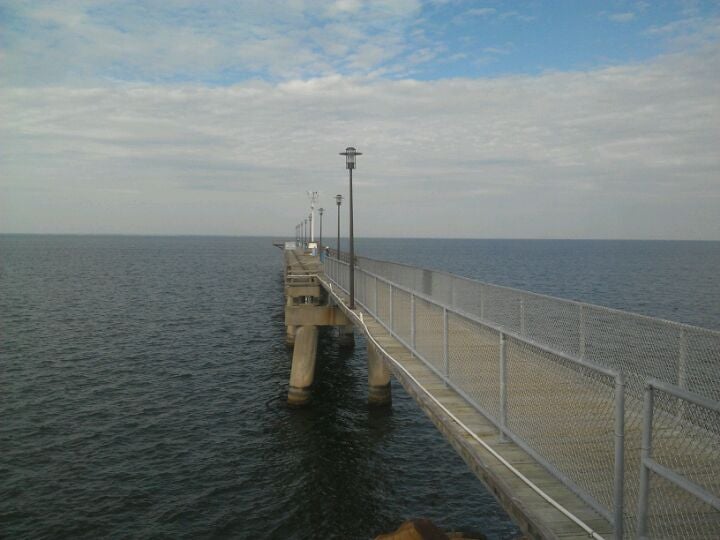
[(614, 514), (525, 335)]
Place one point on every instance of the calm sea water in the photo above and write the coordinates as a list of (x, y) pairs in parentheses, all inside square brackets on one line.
[(143, 384)]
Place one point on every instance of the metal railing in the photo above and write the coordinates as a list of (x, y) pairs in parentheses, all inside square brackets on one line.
[(563, 380), (664, 454)]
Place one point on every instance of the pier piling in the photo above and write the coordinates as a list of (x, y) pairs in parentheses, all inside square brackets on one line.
[(302, 372), (378, 378)]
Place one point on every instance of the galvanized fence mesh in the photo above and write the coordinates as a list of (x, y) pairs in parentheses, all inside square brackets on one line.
[(566, 381)]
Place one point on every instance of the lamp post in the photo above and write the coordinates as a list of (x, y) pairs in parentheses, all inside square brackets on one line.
[(338, 200), (320, 211), (305, 235), (350, 154), (313, 196)]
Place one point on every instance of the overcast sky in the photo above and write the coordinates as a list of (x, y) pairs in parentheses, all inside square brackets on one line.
[(480, 119)]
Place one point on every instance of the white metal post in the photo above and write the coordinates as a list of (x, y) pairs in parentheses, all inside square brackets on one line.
[(412, 321), (645, 453), (392, 326), (446, 355), (619, 495), (682, 371), (376, 297), (503, 387)]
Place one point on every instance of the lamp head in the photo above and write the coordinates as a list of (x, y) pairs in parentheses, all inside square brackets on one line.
[(350, 153)]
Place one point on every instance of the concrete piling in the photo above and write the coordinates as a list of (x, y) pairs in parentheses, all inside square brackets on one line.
[(290, 334), (378, 378), (302, 372), (306, 309)]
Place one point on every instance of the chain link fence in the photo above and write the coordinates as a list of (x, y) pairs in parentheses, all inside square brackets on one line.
[(566, 381)]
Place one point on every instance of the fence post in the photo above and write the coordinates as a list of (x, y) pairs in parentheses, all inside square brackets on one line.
[(503, 387), (682, 371), (446, 356), (582, 332), (619, 494), (412, 321), (482, 303), (391, 308), (376, 297), (645, 453)]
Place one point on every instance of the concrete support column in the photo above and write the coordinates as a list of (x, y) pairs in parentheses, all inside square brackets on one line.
[(378, 378), (290, 336), (302, 372), (346, 336)]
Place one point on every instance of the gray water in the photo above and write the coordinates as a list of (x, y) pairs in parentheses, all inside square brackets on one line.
[(143, 384)]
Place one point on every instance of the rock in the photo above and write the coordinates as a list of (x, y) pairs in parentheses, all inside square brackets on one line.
[(415, 529)]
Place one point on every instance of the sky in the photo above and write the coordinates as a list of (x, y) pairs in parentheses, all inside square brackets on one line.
[(476, 119)]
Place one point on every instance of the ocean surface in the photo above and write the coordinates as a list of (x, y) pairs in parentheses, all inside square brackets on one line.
[(143, 384)]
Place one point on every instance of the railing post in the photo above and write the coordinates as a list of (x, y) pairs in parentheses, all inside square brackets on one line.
[(482, 303), (392, 326), (645, 454), (682, 371), (412, 321), (503, 387), (682, 361), (376, 298), (619, 494), (581, 346), (446, 356)]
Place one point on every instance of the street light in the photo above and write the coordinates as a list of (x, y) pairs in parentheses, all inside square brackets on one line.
[(320, 211), (305, 235), (350, 154), (338, 200), (313, 196)]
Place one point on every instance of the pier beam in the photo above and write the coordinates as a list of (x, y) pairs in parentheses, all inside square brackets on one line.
[(346, 336), (302, 372), (378, 378)]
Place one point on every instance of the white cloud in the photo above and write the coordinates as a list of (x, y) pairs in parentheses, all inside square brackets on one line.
[(624, 17), (626, 151), (66, 40), (481, 12)]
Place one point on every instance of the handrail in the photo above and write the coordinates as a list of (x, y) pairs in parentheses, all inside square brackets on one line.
[(570, 301), (640, 370), (617, 514), (473, 318), (589, 530), (647, 463)]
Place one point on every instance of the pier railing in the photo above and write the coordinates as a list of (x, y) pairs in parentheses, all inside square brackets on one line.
[(565, 381)]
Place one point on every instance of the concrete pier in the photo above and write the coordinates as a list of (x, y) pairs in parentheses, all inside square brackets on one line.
[(291, 330), (306, 309), (302, 372), (378, 378)]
